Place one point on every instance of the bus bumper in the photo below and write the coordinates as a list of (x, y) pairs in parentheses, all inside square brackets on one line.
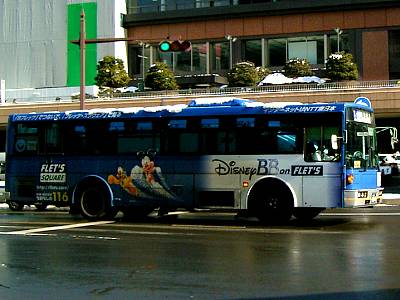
[(363, 198)]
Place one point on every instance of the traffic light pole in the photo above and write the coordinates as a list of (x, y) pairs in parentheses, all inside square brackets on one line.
[(82, 45)]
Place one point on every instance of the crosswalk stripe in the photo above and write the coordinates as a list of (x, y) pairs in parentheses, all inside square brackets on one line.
[(54, 228)]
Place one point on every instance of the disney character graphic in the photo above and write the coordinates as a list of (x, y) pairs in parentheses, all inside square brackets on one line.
[(123, 180), (144, 181)]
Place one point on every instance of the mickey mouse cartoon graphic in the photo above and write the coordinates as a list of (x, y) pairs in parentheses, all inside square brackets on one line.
[(145, 172), (148, 168)]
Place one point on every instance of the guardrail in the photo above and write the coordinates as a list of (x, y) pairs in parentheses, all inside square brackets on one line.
[(286, 88)]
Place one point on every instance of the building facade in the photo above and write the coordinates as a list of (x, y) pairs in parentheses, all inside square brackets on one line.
[(266, 32), (35, 43)]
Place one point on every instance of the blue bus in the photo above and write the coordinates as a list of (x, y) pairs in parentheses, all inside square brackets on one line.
[(269, 160)]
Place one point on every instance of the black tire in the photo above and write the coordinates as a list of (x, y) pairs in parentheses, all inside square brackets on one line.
[(271, 203), (41, 207), (306, 213), (94, 203), (16, 206)]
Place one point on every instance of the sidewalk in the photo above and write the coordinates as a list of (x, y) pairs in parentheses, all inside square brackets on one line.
[(391, 192), (391, 199)]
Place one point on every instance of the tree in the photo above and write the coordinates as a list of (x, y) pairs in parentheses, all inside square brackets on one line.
[(297, 67), (262, 72), (159, 77), (111, 74), (243, 74), (340, 66)]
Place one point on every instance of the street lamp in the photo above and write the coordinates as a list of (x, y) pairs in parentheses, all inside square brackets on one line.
[(143, 57), (338, 32), (231, 40)]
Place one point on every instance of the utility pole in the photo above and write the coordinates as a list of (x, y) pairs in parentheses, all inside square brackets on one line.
[(82, 45)]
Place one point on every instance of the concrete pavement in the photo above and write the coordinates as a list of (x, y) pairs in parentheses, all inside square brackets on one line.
[(391, 199)]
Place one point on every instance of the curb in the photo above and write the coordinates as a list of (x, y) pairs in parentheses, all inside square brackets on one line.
[(391, 199)]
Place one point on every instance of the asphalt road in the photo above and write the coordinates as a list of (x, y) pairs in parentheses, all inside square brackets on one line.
[(342, 254)]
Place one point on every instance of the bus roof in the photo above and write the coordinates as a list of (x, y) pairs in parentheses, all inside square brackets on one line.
[(197, 107)]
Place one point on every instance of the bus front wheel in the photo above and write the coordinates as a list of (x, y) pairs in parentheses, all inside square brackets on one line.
[(271, 202), (95, 204)]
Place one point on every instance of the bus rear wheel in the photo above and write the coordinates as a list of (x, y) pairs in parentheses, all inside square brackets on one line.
[(271, 203), (95, 204)]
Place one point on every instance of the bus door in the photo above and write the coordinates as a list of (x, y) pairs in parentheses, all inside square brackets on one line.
[(322, 181)]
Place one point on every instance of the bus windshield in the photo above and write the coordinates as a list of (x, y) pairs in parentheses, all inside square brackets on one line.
[(361, 146)]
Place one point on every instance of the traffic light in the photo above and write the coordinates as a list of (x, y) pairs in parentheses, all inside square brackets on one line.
[(175, 46)]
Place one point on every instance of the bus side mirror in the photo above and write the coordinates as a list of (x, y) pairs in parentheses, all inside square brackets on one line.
[(334, 142)]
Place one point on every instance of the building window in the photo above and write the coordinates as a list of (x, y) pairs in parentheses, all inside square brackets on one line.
[(134, 60), (343, 43), (199, 62), (139, 61), (394, 54), (219, 53), (276, 52), (182, 62), (253, 51), (166, 57), (308, 47), (194, 61)]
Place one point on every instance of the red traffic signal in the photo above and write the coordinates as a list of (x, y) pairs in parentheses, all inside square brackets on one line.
[(175, 46)]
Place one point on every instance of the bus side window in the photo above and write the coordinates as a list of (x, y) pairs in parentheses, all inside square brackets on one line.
[(318, 145), (75, 141), (181, 137), (287, 142), (52, 143), (209, 128), (26, 139), (141, 136)]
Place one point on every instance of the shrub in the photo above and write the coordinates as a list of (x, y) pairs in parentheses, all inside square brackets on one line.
[(243, 74), (159, 77), (111, 74), (340, 66), (297, 67), (262, 72)]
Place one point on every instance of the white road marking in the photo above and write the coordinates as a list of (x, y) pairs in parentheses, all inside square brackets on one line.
[(361, 214), (35, 231)]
